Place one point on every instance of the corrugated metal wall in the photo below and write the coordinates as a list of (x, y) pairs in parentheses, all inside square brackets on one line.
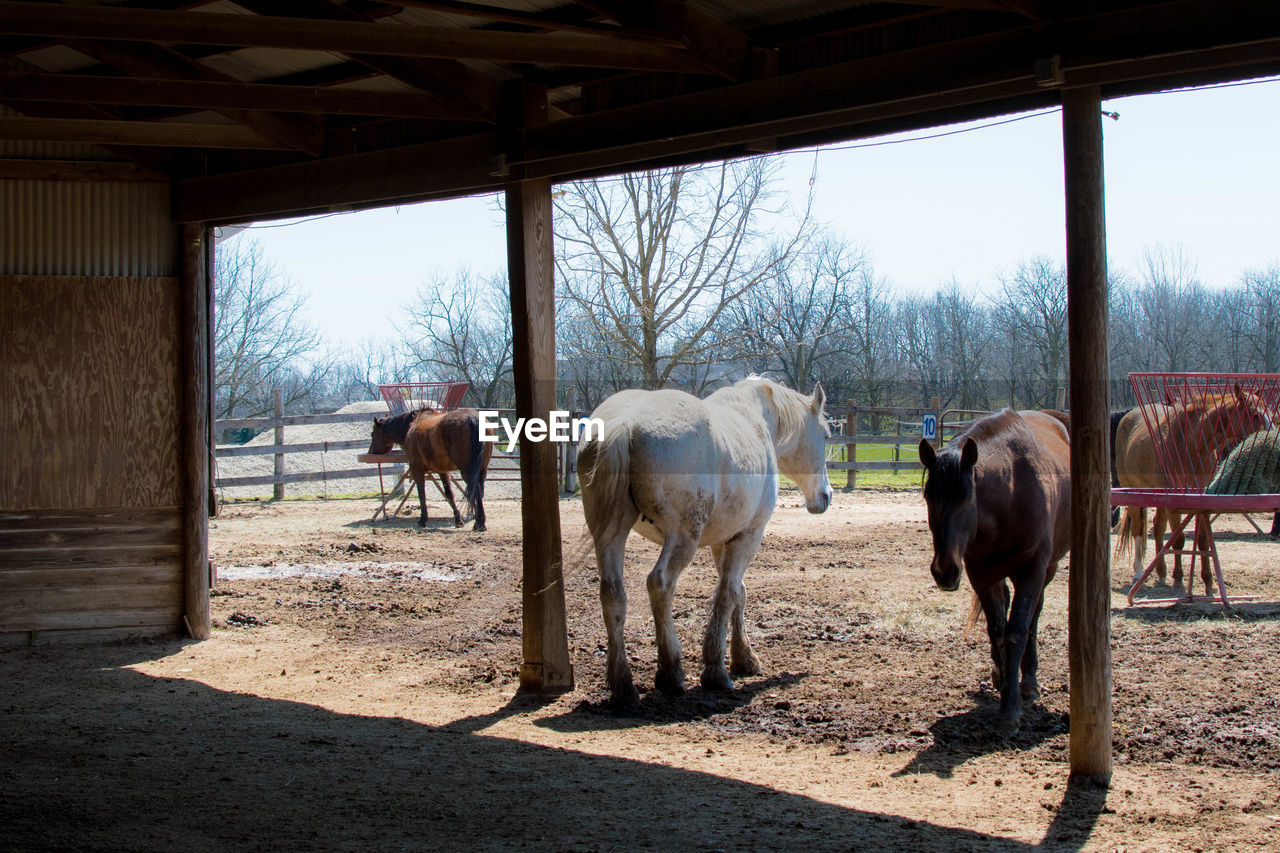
[(83, 228), (70, 228)]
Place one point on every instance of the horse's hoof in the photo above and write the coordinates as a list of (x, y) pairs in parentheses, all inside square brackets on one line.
[(422, 523), (625, 697), (745, 668), (1029, 690), (716, 679), (479, 528), (1007, 726), (670, 682)]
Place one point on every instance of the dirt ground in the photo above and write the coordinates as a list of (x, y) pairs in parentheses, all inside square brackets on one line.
[(359, 692)]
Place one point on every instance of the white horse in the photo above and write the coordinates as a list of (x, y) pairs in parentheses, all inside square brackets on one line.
[(683, 473)]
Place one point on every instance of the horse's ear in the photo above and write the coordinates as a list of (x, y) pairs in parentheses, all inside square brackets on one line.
[(968, 454), (819, 397), (1239, 392), (928, 457)]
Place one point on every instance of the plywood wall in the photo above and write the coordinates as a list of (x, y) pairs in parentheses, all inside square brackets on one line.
[(90, 488)]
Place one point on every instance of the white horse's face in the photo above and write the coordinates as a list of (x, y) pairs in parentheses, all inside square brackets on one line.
[(806, 465)]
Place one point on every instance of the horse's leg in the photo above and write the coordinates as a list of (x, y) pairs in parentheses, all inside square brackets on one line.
[(1137, 534), (995, 606), (448, 496), (478, 490), (419, 479), (610, 556), (677, 553), (1029, 689), (727, 607), (1028, 596), (1202, 545), (1177, 542)]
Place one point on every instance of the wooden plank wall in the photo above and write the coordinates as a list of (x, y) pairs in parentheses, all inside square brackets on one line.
[(90, 490)]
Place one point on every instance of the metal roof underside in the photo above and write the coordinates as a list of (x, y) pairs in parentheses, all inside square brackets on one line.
[(262, 108)]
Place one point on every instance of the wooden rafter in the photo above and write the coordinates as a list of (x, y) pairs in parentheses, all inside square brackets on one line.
[(149, 133), (540, 21), (133, 25), (211, 95), (150, 61), (469, 93)]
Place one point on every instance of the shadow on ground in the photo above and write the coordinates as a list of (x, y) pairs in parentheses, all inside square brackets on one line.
[(97, 756)]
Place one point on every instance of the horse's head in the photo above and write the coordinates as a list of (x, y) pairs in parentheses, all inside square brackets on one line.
[(380, 440), (802, 457), (1228, 419), (951, 499)]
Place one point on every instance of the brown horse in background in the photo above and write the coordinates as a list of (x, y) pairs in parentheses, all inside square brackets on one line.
[(999, 501), (437, 443), (1201, 433)]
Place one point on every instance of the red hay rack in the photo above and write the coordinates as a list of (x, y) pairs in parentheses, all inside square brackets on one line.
[(1195, 420)]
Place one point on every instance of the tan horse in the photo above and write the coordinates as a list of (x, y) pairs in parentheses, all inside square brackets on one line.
[(684, 473), (1196, 435)]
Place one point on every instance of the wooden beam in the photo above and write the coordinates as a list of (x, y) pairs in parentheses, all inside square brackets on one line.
[(16, 169), (168, 134), (541, 21), (842, 101), (456, 166), (1089, 590), (145, 25), (531, 269), (211, 95), (305, 133), (197, 446), (453, 84)]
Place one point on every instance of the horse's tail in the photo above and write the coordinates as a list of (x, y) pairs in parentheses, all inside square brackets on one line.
[(473, 468), (975, 613), (604, 468), (1130, 529)]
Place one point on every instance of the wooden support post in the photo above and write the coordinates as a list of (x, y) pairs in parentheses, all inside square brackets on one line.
[(571, 448), (530, 263), (851, 448), (277, 489), (1089, 592), (935, 406), (196, 448)]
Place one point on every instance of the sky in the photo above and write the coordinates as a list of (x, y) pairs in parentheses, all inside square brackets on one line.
[(1197, 168)]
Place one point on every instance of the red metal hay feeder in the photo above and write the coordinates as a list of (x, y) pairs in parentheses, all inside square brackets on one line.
[(1187, 458)]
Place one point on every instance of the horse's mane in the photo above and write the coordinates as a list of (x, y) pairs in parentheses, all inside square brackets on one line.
[(397, 426), (791, 407)]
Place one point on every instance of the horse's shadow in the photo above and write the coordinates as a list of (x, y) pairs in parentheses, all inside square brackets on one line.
[(965, 735), (406, 522), (657, 708)]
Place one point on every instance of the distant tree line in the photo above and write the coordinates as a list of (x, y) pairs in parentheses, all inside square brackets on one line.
[(691, 277)]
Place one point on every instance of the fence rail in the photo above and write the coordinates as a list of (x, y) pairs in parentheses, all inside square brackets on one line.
[(905, 423)]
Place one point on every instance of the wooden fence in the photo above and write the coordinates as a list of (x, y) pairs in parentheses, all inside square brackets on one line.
[(852, 425), (502, 467)]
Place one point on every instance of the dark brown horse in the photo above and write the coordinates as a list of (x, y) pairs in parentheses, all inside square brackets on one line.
[(437, 443), (999, 501)]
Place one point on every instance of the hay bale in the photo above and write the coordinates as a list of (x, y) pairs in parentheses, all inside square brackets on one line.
[(1251, 468)]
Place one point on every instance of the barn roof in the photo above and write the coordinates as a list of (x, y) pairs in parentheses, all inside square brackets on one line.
[(262, 108)]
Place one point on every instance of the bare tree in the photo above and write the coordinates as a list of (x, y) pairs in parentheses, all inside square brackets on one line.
[(1262, 298), (654, 259), (1173, 306), (797, 322), (261, 341), (461, 329), (359, 372), (1033, 308)]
